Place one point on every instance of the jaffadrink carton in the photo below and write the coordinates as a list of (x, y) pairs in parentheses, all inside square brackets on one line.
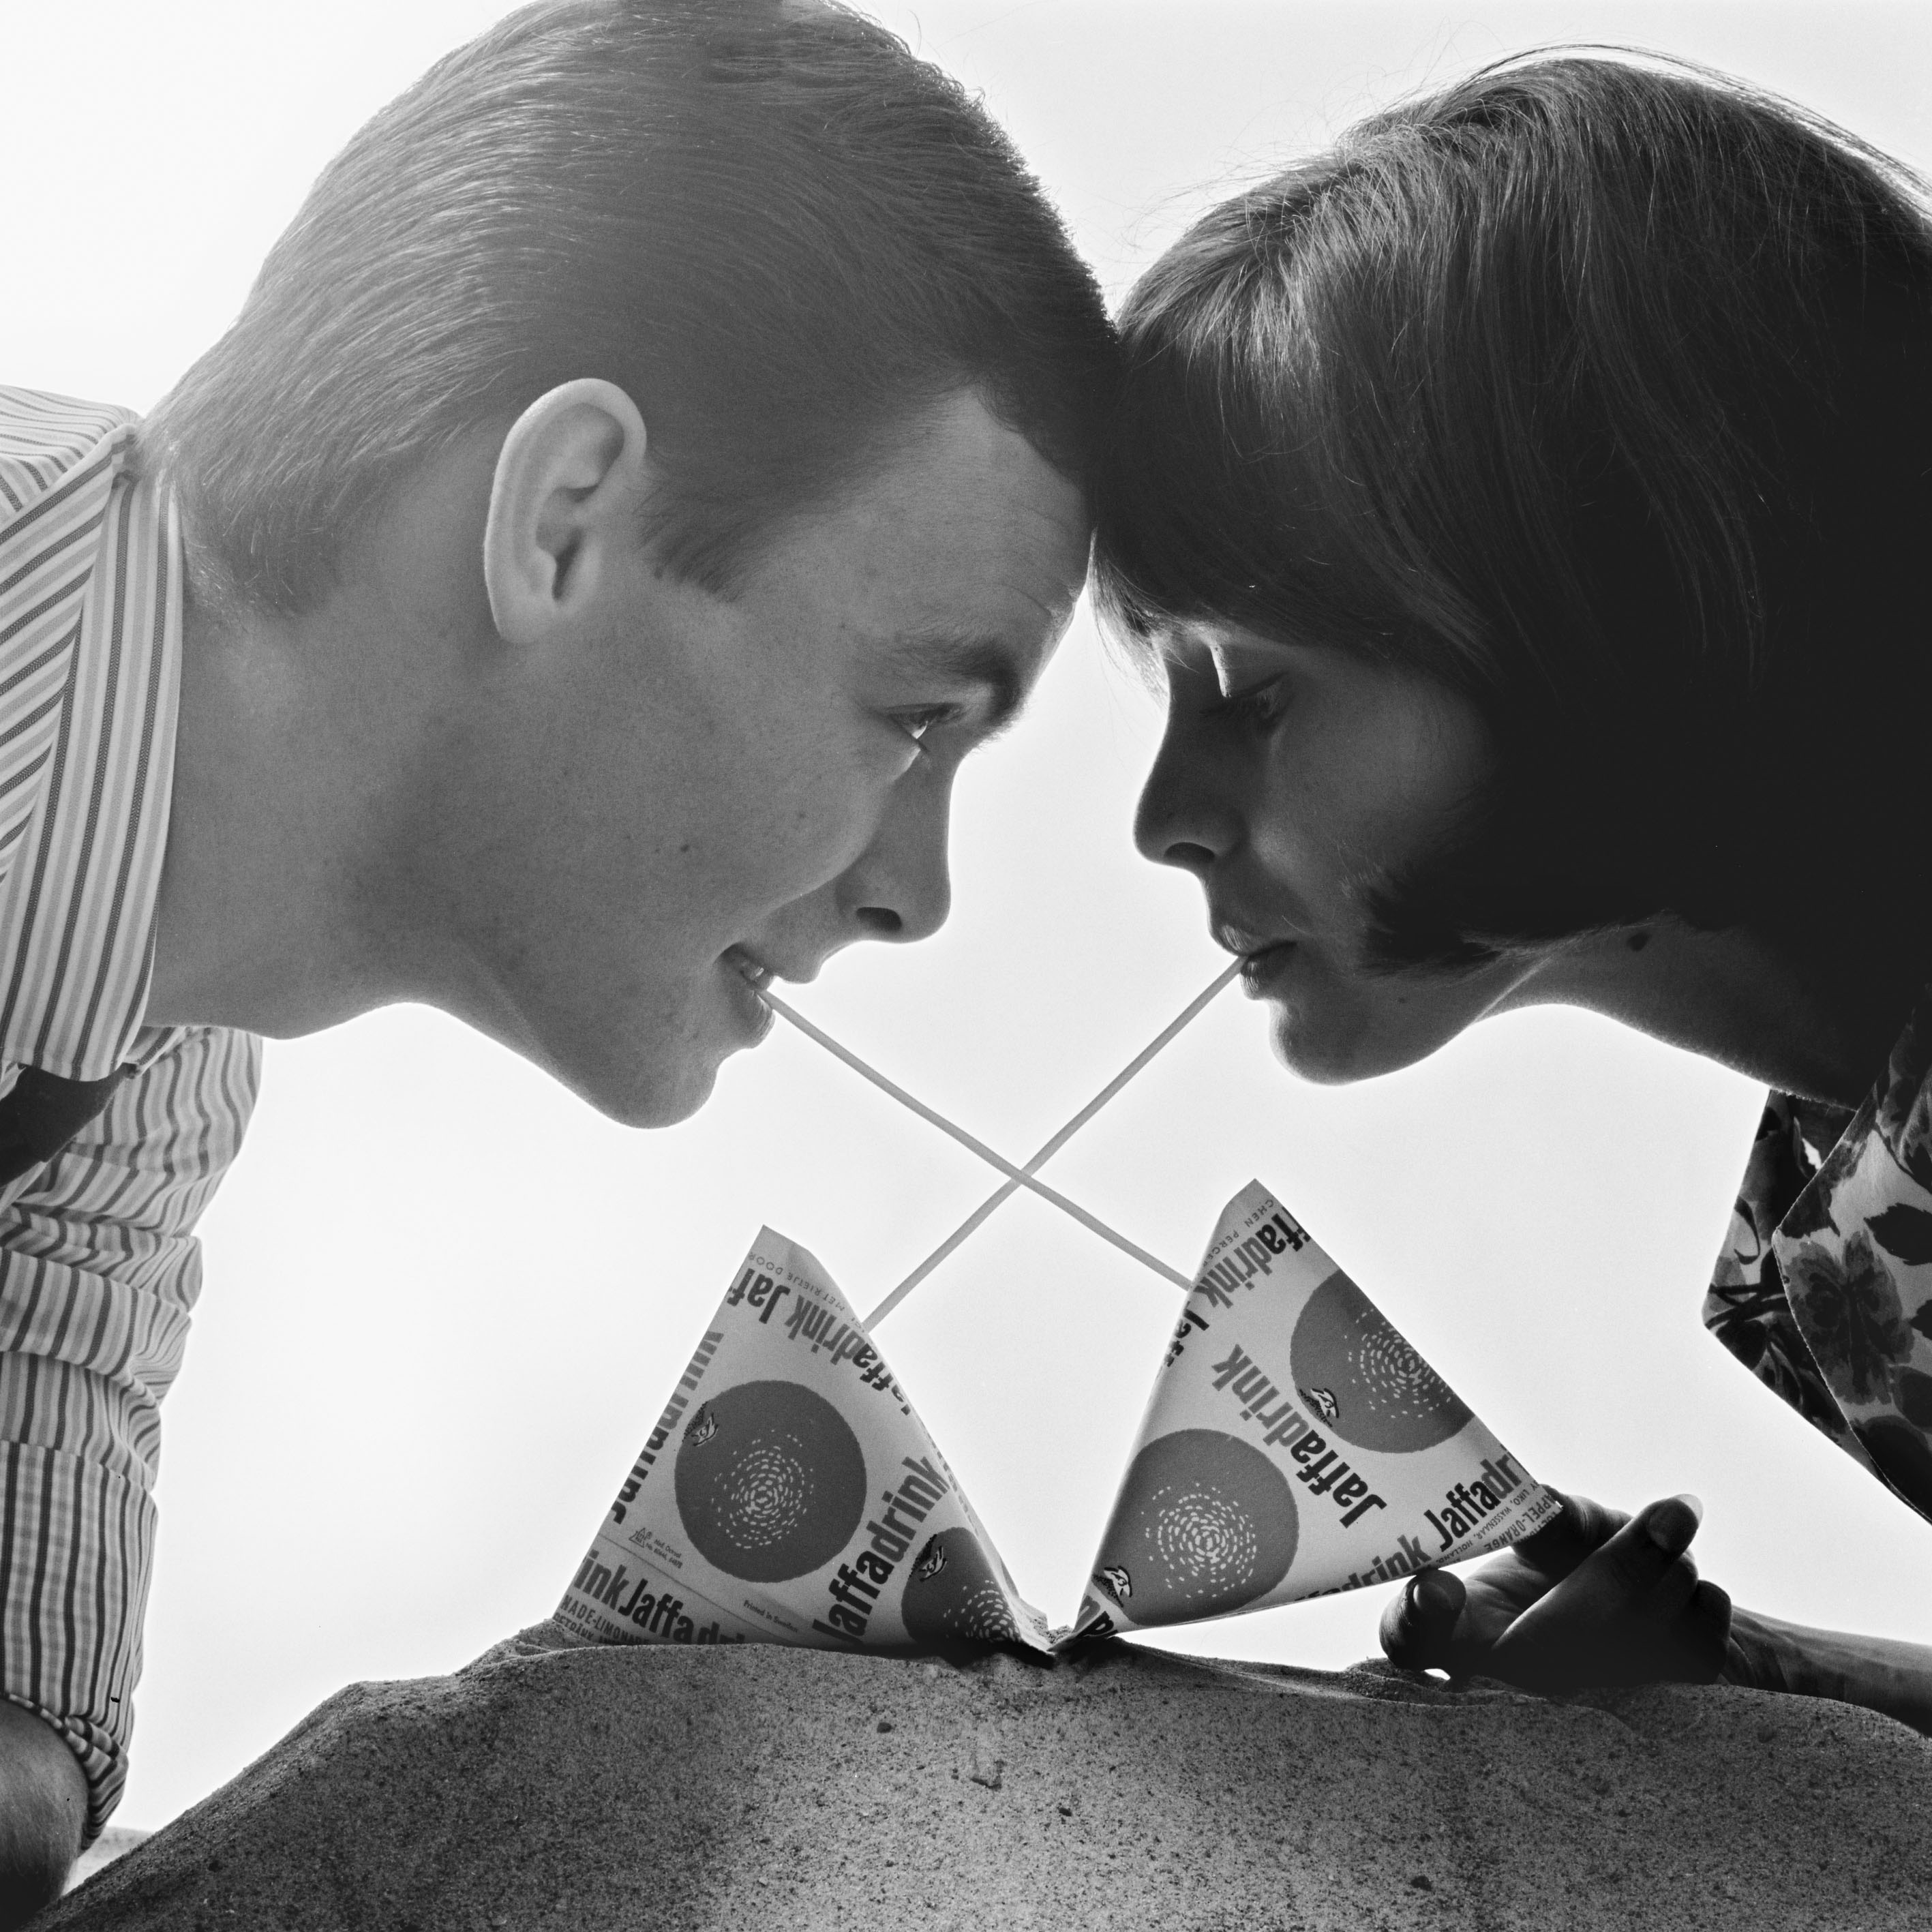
[(789, 1494), (1294, 1446)]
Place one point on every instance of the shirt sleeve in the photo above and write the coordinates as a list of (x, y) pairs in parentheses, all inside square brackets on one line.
[(99, 1271)]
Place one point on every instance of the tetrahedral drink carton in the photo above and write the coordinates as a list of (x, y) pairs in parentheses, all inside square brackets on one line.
[(1294, 1445), (788, 1494)]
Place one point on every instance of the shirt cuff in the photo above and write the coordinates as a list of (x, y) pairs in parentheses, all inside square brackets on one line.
[(76, 1544)]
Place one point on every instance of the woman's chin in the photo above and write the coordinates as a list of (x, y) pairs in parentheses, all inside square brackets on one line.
[(1310, 1050), (1330, 1048), (1322, 1069)]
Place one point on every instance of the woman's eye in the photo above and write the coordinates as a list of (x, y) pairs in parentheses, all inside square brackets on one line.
[(1257, 707)]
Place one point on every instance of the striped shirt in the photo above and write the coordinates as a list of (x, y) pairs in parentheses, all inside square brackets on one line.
[(98, 1266)]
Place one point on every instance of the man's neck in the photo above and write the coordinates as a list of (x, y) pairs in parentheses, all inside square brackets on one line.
[(259, 923)]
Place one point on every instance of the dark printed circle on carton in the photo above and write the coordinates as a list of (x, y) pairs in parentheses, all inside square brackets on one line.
[(770, 1481), (1362, 1381), (952, 1594), (1205, 1524)]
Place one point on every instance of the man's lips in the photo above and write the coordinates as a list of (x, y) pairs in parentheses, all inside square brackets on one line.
[(800, 969), (758, 1017), (754, 970)]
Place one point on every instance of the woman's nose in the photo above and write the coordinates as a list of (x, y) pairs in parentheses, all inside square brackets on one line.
[(1182, 820)]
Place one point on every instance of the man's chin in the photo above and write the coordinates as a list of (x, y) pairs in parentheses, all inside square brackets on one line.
[(656, 1096), (634, 1061), (658, 1089)]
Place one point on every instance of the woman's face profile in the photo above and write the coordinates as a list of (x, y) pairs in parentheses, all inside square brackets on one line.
[(1294, 780)]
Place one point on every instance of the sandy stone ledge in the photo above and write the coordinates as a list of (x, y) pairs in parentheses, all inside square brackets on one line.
[(547, 1788)]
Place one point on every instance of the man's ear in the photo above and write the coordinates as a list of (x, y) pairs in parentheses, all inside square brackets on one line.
[(566, 499)]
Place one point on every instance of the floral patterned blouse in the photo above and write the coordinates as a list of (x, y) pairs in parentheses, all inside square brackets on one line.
[(1824, 1289)]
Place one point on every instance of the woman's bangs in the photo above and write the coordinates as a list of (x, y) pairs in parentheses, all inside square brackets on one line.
[(1215, 504)]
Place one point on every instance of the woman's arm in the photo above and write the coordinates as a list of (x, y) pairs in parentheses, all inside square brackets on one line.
[(1881, 1673), (1602, 1598)]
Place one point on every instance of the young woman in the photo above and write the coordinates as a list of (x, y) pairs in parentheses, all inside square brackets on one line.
[(1527, 504)]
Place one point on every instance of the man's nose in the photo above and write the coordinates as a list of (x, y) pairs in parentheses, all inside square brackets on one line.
[(1182, 820), (901, 889)]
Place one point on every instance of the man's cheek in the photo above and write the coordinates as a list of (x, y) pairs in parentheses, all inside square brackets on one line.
[(825, 829)]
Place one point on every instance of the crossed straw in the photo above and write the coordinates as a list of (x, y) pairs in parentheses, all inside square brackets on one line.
[(1017, 1177)]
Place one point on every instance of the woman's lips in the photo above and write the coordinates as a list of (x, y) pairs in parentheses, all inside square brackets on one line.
[(1260, 966), (1261, 957)]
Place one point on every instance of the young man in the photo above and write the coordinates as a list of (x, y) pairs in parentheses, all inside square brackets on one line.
[(653, 458)]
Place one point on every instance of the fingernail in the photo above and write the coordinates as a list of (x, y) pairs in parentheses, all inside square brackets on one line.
[(1672, 1529), (1428, 1591)]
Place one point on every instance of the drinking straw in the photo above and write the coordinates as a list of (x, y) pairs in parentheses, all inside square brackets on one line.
[(1016, 1177), (1051, 1147)]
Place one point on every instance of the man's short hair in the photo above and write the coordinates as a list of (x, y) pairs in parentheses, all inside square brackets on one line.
[(778, 232), (1600, 390)]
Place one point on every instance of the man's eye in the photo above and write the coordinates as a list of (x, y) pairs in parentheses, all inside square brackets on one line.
[(917, 724)]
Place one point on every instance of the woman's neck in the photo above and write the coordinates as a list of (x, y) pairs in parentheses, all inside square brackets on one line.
[(1823, 1033)]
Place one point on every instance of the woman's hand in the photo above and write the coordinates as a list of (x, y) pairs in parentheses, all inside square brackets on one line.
[(1597, 1598)]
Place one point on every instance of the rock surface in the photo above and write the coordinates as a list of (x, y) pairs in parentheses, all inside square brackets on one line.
[(551, 1787), (116, 1842)]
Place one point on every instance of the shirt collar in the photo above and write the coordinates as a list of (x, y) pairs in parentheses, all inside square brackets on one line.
[(90, 675)]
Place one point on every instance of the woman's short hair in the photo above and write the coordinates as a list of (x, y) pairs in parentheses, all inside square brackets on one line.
[(1600, 389), (781, 233)]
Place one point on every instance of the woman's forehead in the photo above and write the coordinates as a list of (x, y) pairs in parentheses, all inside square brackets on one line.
[(1223, 642)]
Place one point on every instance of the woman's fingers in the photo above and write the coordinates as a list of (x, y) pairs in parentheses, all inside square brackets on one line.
[(1670, 1525), (1598, 1598), (1418, 1628), (1645, 1571), (1631, 1612), (1582, 1526), (1436, 1623), (1704, 1634)]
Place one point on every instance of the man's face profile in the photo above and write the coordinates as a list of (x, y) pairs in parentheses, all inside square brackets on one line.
[(675, 792)]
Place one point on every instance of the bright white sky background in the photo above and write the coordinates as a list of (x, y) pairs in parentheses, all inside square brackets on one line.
[(376, 1463)]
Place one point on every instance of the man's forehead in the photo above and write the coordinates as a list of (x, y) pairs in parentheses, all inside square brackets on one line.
[(974, 491)]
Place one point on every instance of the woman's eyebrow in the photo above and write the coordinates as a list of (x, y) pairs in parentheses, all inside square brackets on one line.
[(968, 659)]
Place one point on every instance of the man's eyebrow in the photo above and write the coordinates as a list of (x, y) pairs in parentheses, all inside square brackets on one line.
[(977, 660)]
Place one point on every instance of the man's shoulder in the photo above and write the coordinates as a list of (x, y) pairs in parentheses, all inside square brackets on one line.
[(45, 438)]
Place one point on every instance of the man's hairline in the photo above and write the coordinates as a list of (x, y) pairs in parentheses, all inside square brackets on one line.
[(211, 585), (897, 436)]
